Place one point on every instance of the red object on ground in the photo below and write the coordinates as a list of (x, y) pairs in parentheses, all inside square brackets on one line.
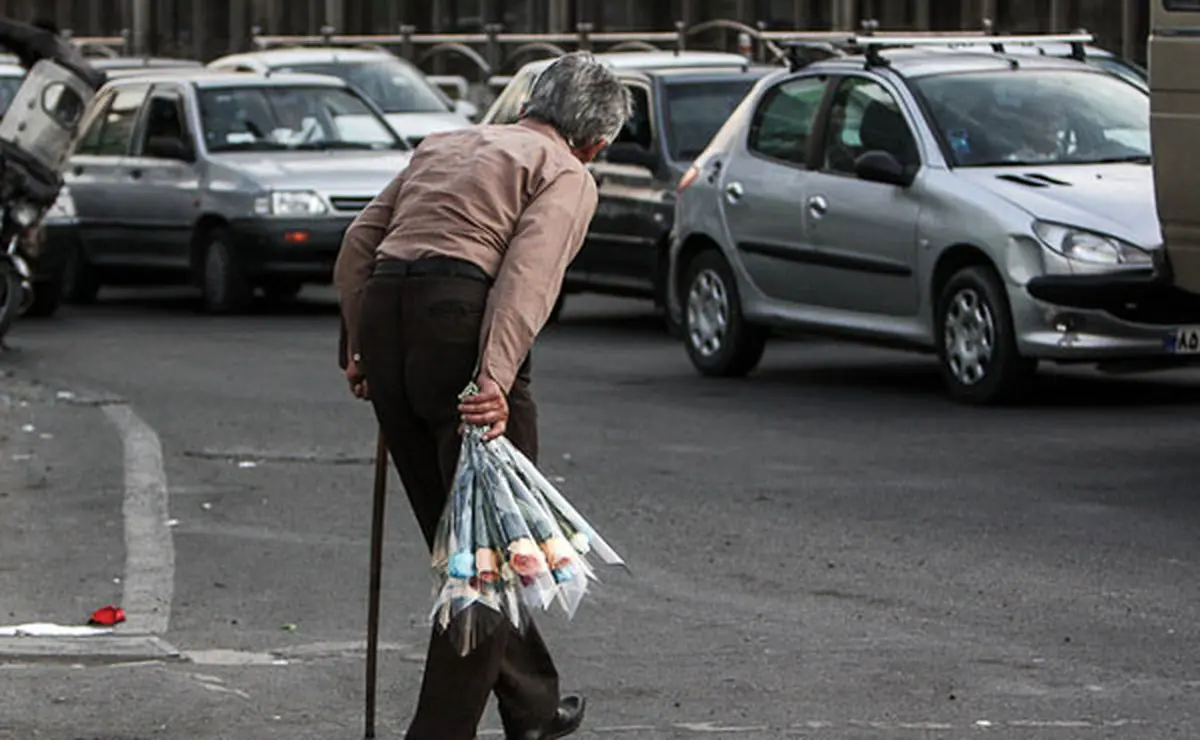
[(108, 616)]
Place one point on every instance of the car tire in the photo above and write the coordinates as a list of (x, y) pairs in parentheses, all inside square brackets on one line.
[(976, 343), (47, 297), (11, 296), (719, 340), (80, 285), (223, 281)]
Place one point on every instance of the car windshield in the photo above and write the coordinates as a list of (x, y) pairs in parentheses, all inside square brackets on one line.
[(391, 84), (8, 91), (697, 110), (1126, 71), (1038, 117), (283, 118)]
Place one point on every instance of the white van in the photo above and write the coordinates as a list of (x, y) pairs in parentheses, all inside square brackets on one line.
[(1174, 54)]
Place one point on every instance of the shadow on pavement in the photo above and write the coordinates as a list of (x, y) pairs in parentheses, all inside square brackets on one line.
[(181, 303), (1051, 389)]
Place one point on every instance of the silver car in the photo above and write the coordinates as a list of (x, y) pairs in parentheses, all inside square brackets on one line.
[(995, 209), (231, 182)]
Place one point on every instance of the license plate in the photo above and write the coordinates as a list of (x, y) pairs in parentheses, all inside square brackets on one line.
[(1185, 341)]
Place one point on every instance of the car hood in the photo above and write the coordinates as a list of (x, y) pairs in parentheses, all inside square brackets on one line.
[(419, 125), (1113, 199), (350, 172)]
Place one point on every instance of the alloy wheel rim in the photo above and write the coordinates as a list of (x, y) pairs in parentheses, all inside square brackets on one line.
[(708, 313), (970, 336)]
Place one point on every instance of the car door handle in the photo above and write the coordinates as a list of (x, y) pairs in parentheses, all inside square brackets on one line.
[(78, 170), (135, 174), (734, 192), (818, 206)]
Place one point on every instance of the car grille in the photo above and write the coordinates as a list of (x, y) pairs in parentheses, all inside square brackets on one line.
[(350, 203)]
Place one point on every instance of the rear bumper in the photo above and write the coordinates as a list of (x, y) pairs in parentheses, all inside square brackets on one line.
[(301, 249)]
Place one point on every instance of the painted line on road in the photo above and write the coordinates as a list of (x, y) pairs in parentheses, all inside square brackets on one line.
[(149, 547)]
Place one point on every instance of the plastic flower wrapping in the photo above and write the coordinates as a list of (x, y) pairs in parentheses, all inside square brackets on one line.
[(508, 544)]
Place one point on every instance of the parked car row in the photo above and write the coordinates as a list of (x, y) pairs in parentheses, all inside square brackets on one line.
[(993, 207)]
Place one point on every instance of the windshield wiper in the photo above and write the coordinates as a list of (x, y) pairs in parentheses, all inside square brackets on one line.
[(1130, 158), (320, 146), (251, 146)]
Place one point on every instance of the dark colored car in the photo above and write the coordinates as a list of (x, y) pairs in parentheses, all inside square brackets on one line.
[(677, 110)]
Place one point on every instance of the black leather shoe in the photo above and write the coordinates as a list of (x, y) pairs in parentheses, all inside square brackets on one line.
[(567, 719)]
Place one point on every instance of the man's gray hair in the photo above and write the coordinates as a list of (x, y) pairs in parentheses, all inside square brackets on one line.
[(580, 97)]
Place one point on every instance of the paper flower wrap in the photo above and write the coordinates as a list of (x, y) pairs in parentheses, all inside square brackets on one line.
[(507, 542)]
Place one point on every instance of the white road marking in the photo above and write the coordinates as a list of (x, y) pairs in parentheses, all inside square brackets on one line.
[(149, 580)]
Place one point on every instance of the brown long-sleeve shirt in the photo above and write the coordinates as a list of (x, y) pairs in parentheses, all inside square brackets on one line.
[(511, 199)]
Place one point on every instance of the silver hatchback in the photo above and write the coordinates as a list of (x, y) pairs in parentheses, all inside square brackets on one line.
[(996, 209)]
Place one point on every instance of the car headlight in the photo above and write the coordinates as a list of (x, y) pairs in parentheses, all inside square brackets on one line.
[(290, 203), (1087, 246)]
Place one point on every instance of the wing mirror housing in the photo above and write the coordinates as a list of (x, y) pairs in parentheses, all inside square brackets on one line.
[(880, 166)]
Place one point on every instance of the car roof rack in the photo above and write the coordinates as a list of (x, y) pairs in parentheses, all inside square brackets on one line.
[(804, 48), (871, 44)]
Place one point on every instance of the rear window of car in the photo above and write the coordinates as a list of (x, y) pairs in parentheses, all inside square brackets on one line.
[(696, 111)]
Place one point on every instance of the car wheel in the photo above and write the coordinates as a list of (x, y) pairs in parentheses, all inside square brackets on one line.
[(79, 282), (225, 287), (719, 341), (47, 296), (10, 296), (977, 346)]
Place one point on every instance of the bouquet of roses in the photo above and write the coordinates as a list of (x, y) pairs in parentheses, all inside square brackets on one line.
[(508, 542)]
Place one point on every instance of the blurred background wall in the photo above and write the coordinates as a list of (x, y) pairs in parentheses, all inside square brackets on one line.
[(204, 29)]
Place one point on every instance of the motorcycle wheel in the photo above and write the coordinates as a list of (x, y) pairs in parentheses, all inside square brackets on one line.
[(10, 296)]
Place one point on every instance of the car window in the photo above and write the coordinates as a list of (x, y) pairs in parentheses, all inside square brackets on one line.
[(89, 140), (783, 123), (111, 133), (260, 118), (637, 128), (863, 117), (1038, 117), (697, 110), (390, 83), (8, 91), (164, 121), (508, 106)]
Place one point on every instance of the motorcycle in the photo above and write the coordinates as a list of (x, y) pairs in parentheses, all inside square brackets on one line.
[(35, 141)]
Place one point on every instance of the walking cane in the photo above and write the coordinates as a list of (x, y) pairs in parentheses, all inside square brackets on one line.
[(381, 462)]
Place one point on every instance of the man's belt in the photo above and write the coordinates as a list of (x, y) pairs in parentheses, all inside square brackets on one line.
[(431, 267)]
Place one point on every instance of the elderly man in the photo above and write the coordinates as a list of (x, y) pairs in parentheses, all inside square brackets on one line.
[(448, 276)]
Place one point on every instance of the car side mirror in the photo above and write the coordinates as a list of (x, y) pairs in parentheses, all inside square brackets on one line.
[(626, 153), (880, 166), (169, 147)]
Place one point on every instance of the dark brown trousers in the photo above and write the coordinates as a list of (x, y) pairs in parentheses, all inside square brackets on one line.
[(419, 340)]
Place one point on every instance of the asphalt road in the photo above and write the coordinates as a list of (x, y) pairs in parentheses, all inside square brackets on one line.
[(829, 549)]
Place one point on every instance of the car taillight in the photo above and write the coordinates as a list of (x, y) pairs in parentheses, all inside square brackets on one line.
[(688, 178)]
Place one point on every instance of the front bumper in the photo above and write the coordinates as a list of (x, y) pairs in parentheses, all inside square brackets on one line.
[(301, 249), (1104, 318)]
